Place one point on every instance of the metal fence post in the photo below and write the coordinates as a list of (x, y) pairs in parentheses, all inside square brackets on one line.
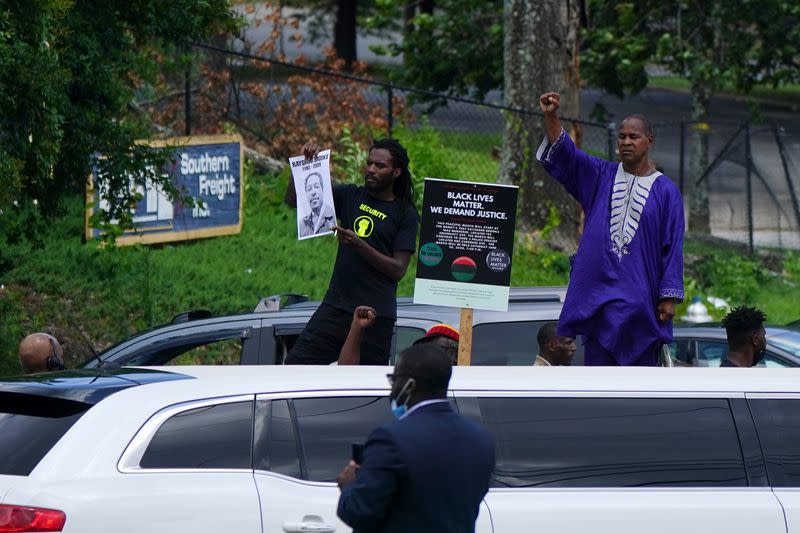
[(389, 113), (749, 178), (187, 99), (611, 134), (682, 156), (787, 174)]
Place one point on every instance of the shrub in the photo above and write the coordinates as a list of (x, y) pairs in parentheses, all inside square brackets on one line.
[(735, 278)]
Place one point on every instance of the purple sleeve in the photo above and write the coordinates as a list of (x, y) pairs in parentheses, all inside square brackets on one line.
[(577, 171), (672, 244)]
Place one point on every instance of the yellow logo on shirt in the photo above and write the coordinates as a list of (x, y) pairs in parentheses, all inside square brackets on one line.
[(363, 226), (372, 211)]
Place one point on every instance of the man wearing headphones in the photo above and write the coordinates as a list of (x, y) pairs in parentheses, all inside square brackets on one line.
[(40, 352)]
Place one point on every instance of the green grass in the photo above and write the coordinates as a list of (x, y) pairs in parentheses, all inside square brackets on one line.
[(471, 154)]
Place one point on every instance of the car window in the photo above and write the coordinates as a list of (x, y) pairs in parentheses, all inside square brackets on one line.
[(214, 436), (510, 344), (223, 352), (613, 442), (405, 337), (275, 446), (217, 344), (778, 425), (786, 340), (329, 426), (711, 353), (30, 426), (505, 343), (679, 349), (773, 361)]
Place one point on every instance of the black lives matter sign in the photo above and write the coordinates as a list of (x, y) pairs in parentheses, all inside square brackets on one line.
[(466, 244)]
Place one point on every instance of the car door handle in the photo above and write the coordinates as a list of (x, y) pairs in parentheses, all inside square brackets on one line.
[(309, 524)]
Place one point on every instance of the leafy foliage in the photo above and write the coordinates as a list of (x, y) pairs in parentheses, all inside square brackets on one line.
[(712, 43), (733, 277), (791, 267), (275, 107), (69, 72), (455, 50)]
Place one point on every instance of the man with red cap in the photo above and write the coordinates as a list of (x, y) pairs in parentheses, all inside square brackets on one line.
[(443, 336)]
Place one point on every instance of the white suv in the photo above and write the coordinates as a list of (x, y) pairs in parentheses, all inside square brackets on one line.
[(256, 449)]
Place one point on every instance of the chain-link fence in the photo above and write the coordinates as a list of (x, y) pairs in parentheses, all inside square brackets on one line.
[(749, 179), (750, 172)]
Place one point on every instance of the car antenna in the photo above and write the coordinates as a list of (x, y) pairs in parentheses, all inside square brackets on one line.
[(100, 363)]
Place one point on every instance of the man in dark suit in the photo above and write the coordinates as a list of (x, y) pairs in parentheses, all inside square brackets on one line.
[(425, 472)]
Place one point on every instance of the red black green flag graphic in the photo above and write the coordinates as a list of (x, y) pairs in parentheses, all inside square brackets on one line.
[(463, 268)]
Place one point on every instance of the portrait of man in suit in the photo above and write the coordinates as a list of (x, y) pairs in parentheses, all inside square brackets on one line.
[(321, 216), (428, 470)]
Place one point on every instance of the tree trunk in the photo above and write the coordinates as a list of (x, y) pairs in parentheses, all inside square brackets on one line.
[(697, 195), (539, 56), (344, 31)]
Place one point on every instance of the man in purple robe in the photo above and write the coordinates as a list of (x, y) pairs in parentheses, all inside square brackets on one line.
[(628, 272)]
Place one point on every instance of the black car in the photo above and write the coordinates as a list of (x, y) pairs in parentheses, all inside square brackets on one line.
[(265, 336)]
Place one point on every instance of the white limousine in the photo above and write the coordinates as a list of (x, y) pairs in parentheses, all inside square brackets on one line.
[(256, 449)]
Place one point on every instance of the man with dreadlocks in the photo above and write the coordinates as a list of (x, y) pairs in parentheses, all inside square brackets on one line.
[(377, 234), (747, 339)]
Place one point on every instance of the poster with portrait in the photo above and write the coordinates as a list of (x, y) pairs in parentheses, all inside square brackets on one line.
[(312, 181)]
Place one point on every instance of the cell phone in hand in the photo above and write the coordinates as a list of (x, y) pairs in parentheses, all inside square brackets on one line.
[(357, 453)]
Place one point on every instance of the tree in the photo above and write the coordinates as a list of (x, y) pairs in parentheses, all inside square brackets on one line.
[(69, 72), (344, 30), (713, 43), (343, 33), (540, 54)]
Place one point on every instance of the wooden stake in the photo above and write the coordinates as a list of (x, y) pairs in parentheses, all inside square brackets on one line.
[(465, 337)]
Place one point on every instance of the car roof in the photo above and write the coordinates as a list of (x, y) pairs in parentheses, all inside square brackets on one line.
[(535, 303), (717, 330), (85, 386), (212, 381), (525, 303)]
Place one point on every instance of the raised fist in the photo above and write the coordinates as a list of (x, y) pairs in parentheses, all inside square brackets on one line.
[(364, 316), (549, 102)]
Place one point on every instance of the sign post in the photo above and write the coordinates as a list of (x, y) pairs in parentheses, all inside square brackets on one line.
[(465, 248), (465, 337)]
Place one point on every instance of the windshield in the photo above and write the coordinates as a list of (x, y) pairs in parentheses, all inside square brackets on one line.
[(30, 426), (786, 340)]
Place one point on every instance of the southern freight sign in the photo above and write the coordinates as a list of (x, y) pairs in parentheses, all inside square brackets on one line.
[(209, 169), (465, 245)]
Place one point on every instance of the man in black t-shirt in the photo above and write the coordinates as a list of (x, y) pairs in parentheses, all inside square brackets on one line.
[(377, 235), (747, 339)]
